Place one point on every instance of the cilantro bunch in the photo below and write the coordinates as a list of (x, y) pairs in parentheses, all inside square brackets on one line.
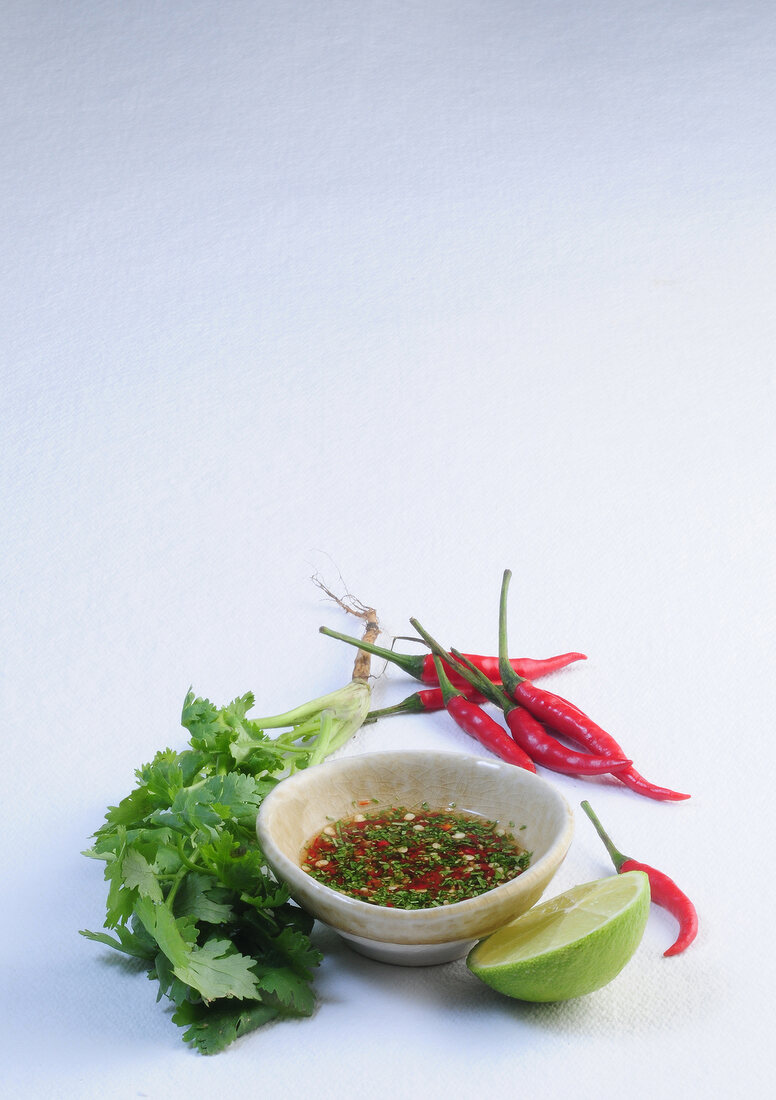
[(189, 893)]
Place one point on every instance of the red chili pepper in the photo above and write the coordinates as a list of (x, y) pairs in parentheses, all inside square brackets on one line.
[(421, 665), (565, 718), (533, 738), (489, 666), (526, 731), (631, 778), (540, 746), (473, 720), (430, 699), (665, 892), (590, 735)]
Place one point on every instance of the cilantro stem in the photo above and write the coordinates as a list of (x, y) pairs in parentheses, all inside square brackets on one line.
[(304, 730), (300, 714), (188, 865), (175, 886), (321, 747)]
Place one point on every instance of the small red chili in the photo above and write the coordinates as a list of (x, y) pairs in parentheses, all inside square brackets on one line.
[(533, 738), (526, 731), (631, 778), (565, 718), (430, 699), (473, 720), (594, 738), (665, 892), (525, 666), (421, 665)]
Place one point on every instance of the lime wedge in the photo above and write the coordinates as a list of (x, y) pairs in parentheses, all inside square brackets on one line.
[(568, 946)]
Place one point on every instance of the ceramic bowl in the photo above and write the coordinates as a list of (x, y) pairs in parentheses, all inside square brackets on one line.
[(299, 807)]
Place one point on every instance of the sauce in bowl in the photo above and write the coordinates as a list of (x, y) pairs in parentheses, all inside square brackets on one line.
[(414, 859)]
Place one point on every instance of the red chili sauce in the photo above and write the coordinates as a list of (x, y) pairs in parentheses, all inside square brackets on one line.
[(417, 859)]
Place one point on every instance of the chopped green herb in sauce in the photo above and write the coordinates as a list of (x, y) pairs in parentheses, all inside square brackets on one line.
[(414, 859)]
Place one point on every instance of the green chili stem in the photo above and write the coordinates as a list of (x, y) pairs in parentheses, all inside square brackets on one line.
[(410, 705), (432, 643), (463, 665), (448, 691), (411, 663), (480, 681), (617, 857), (509, 677)]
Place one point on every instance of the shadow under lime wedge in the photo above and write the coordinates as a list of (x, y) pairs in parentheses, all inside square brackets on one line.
[(567, 946)]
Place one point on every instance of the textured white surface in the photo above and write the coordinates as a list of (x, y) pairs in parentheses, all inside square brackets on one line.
[(414, 291)]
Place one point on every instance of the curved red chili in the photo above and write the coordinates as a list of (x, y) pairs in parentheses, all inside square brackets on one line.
[(591, 736), (532, 737), (631, 778), (528, 667), (665, 892), (562, 716), (421, 665), (526, 732), (667, 895), (540, 746), (565, 718), (473, 720)]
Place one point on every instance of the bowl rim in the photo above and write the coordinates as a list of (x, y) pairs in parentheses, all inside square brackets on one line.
[(522, 882)]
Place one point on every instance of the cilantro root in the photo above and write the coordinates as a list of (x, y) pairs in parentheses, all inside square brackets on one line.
[(353, 606)]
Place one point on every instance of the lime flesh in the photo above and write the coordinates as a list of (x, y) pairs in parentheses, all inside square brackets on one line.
[(568, 946)]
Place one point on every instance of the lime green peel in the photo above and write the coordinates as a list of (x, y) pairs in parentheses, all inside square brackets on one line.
[(568, 946)]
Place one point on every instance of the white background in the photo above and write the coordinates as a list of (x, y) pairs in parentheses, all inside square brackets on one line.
[(410, 292)]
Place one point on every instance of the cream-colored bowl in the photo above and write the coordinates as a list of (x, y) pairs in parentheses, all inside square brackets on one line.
[(299, 807)]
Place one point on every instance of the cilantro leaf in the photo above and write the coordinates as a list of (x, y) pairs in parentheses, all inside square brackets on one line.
[(217, 969), (201, 897), (291, 990), (212, 728), (296, 948), (130, 943), (169, 932), (211, 1028), (138, 873)]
